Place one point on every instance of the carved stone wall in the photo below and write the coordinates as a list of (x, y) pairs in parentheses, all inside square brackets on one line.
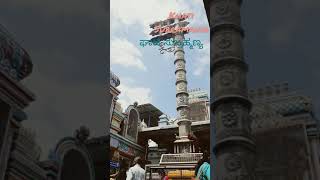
[(282, 154)]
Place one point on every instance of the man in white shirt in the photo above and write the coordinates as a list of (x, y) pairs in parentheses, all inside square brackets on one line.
[(136, 172)]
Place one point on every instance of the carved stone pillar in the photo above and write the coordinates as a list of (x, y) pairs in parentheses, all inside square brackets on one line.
[(314, 141), (113, 93), (235, 147), (112, 107), (5, 137), (183, 144)]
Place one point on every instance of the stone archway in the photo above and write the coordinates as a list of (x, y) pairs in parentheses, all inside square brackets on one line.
[(74, 166), (74, 160), (133, 122)]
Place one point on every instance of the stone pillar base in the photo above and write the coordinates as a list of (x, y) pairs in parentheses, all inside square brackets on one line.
[(183, 145)]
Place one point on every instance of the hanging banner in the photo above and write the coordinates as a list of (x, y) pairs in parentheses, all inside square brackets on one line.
[(126, 149)]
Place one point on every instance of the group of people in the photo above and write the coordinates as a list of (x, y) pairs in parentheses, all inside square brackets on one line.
[(136, 172)]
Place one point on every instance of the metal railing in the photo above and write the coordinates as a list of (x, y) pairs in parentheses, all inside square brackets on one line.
[(186, 158)]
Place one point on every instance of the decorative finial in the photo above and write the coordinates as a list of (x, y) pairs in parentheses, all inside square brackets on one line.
[(135, 104), (82, 133)]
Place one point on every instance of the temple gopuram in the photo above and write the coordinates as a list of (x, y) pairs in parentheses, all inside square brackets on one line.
[(124, 127)]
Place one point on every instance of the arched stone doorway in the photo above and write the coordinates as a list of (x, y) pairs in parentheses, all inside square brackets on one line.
[(74, 160), (133, 122), (74, 166)]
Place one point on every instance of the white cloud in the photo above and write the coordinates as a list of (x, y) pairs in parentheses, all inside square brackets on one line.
[(200, 18), (126, 54), (128, 17), (144, 12), (125, 16), (130, 94), (203, 62)]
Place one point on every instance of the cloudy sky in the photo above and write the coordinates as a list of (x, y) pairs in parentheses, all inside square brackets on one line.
[(281, 44), (146, 75), (67, 40)]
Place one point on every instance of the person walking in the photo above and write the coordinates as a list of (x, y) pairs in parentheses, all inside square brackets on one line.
[(121, 174), (202, 170), (136, 172), (124, 166)]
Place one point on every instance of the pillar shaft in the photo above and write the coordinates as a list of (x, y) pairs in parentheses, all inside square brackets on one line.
[(235, 147), (315, 156), (183, 143)]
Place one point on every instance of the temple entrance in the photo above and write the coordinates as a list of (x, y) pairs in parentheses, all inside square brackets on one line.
[(74, 160), (75, 166)]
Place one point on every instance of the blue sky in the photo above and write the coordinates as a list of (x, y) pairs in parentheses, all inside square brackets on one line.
[(146, 75)]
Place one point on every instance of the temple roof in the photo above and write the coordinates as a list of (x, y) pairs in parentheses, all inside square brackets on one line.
[(149, 109), (14, 60), (280, 100)]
